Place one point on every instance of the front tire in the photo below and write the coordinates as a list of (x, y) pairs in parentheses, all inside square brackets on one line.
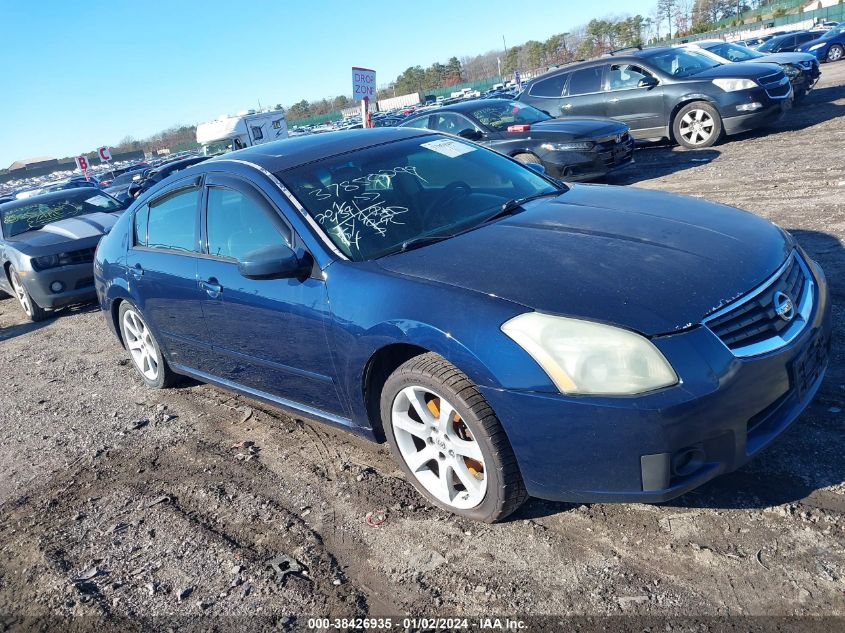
[(527, 158), (34, 311), (697, 125), (835, 53), (143, 349), (449, 442)]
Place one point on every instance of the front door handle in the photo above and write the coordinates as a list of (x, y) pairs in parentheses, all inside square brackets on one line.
[(137, 271), (614, 100), (568, 106), (212, 287)]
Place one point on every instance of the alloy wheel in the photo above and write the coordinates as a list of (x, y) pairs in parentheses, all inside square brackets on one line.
[(438, 448), (140, 343), (835, 53), (697, 127), (21, 294)]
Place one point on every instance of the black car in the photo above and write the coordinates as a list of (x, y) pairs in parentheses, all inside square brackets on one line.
[(574, 148), (801, 68), (666, 93), (47, 245), (157, 174), (119, 187), (787, 43)]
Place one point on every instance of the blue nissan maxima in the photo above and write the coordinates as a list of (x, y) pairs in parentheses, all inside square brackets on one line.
[(507, 334)]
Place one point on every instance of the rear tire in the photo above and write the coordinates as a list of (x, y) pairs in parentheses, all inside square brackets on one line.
[(697, 125), (527, 158), (449, 442), (835, 53), (143, 349), (32, 310)]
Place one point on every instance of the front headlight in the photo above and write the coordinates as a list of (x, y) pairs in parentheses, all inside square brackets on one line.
[(45, 261), (816, 46), (567, 147), (582, 357), (791, 71), (732, 85)]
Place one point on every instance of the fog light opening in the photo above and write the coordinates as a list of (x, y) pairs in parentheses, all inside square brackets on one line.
[(687, 461), (749, 107), (57, 286)]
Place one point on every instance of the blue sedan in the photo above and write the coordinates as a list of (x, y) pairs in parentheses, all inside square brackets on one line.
[(507, 334), (830, 46)]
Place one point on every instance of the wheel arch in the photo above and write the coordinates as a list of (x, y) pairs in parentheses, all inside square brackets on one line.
[(684, 101)]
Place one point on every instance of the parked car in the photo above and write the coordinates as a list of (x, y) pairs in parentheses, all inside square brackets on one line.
[(506, 334), (787, 43), (574, 148), (47, 245), (801, 68), (671, 93), (119, 187), (829, 47), (156, 174), (69, 183)]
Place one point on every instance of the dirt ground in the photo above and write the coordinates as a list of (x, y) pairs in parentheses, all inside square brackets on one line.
[(120, 501)]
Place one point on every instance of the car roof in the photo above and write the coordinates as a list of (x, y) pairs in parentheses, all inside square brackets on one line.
[(292, 152), (64, 194), (463, 106)]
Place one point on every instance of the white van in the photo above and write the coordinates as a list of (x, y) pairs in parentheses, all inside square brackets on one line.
[(228, 133)]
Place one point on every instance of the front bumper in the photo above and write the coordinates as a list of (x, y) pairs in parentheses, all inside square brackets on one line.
[(593, 449), (589, 164), (77, 281), (765, 116)]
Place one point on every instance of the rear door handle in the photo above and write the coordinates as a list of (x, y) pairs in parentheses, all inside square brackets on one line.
[(614, 100), (212, 287), (568, 106), (137, 271)]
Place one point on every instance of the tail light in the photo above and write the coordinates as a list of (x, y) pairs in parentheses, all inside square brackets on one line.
[(523, 127)]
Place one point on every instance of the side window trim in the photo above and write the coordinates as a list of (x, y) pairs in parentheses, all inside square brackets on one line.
[(563, 90)]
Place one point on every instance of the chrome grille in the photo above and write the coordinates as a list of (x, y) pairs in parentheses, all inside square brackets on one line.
[(752, 326)]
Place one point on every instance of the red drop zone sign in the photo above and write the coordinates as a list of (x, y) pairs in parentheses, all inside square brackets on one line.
[(363, 83)]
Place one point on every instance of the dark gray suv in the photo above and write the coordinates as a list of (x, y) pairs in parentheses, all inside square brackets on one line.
[(673, 93)]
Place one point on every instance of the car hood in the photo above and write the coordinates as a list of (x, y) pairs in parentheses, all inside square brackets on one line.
[(577, 127), (788, 58), (83, 229), (740, 70), (649, 261)]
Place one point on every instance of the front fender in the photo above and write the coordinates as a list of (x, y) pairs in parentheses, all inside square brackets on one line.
[(373, 309)]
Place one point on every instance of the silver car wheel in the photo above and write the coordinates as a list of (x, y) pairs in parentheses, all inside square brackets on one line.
[(438, 448), (697, 127), (140, 343), (21, 294)]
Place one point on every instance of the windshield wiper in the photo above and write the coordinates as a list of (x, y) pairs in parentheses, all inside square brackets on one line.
[(514, 205), (417, 242)]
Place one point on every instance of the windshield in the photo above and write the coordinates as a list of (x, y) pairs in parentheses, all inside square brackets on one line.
[(836, 30), (733, 52), (372, 202), (127, 178), (770, 44), (31, 217), (499, 115), (682, 63), (218, 147)]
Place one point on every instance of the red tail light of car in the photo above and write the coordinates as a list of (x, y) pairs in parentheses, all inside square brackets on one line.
[(524, 127)]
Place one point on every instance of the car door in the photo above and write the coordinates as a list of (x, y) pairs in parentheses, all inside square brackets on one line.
[(585, 93), (162, 272), (267, 334), (641, 107)]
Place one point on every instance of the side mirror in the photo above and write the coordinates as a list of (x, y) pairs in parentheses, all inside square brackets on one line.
[(648, 82), (536, 167), (471, 135), (274, 262)]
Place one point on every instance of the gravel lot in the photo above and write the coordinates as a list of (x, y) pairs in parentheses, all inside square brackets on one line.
[(120, 501)]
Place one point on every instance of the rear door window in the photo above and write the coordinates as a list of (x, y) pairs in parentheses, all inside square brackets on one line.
[(549, 88), (585, 81), (172, 222), (140, 225)]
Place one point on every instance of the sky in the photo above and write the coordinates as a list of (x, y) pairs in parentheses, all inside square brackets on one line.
[(80, 74)]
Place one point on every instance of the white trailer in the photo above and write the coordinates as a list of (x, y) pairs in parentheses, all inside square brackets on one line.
[(227, 133)]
